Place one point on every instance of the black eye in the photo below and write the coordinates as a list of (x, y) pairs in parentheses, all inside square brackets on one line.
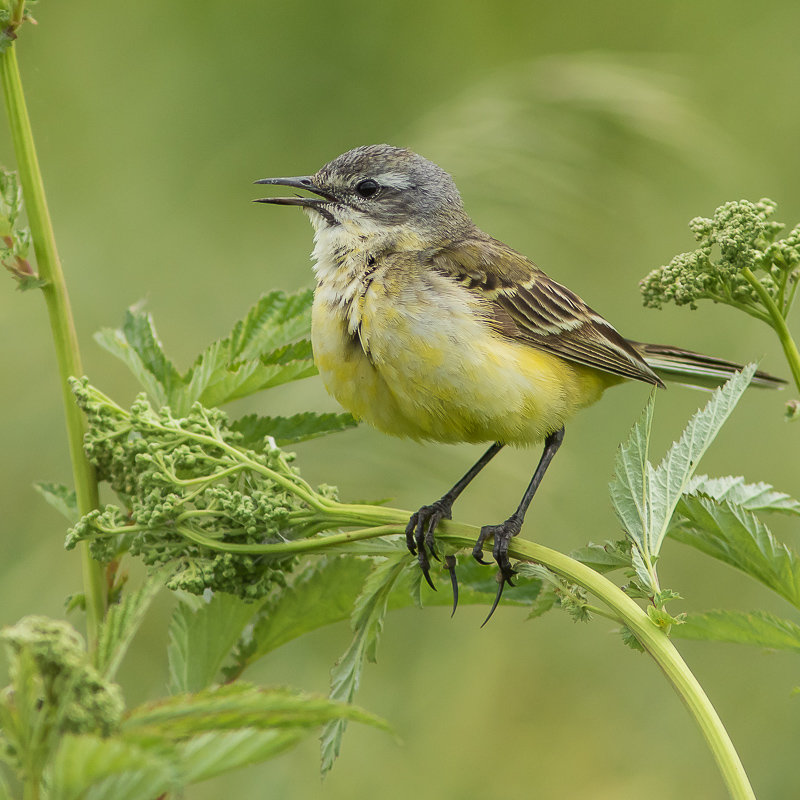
[(367, 188)]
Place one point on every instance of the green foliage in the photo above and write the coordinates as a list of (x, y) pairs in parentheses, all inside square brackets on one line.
[(60, 498), (202, 635), (367, 619), (741, 236), (758, 628), (732, 534), (289, 430), (120, 625), (54, 691), (189, 491), (265, 349), (644, 496)]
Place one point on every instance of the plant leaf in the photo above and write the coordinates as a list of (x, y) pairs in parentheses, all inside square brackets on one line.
[(671, 477), (758, 628), (138, 346), (120, 626), (215, 753), (90, 768), (367, 621), (645, 497), (736, 536), (202, 638), (235, 706), (261, 351), (604, 557), (61, 498), (629, 488), (752, 496), (320, 595), (290, 430)]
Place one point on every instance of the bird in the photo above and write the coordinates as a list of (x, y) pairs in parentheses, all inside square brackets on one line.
[(426, 327)]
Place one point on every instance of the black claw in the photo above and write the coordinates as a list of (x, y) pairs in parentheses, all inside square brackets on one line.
[(502, 581), (450, 563)]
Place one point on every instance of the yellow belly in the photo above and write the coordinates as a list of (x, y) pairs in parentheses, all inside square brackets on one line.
[(440, 372)]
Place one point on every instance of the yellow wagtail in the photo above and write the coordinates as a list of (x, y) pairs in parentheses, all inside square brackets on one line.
[(425, 326)]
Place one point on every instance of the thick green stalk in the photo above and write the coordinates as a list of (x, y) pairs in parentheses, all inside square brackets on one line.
[(60, 315), (778, 323)]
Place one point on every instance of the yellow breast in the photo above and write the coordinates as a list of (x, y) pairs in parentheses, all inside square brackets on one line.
[(415, 357)]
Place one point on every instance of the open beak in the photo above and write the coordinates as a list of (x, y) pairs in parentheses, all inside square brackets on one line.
[(304, 182)]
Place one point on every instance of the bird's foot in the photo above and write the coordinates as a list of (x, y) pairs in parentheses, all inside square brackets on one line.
[(502, 535), (420, 535)]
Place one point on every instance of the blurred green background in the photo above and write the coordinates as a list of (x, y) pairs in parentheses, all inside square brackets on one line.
[(585, 135)]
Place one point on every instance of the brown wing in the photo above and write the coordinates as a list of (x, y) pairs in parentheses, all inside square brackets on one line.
[(525, 305)]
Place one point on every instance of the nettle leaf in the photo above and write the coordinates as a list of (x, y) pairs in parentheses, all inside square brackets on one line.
[(235, 706), (736, 536), (645, 497), (275, 320), (262, 351), (290, 430), (320, 595), (90, 768), (202, 636), (367, 621), (670, 479), (751, 496), (218, 752), (758, 628), (137, 345), (61, 498), (120, 625), (629, 489), (267, 348), (605, 557)]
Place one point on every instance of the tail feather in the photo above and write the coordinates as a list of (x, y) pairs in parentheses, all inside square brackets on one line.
[(695, 369)]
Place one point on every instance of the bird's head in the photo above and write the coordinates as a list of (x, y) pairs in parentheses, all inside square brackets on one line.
[(377, 188)]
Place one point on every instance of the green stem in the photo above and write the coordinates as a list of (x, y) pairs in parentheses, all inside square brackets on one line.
[(58, 310), (778, 323)]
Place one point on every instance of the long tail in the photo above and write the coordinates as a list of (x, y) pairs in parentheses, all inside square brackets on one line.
[(695, 369)]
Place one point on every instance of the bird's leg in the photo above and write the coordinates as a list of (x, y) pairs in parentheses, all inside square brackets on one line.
[(421, 526), (505, 531)]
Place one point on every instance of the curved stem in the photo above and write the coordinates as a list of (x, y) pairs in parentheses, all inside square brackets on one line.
[(778, 323), (60, 315)]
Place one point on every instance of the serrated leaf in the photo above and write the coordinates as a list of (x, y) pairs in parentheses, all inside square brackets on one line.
[(645, 497), (90, 768), (202, 638), (276, 319), (61, 498), (216, 753), (668, 481), (758, 628), (629, 490), (367, 621), (322, 594), (120, 625), (138, 346), (290, 430), (248, 377), (736, 536), (234, 706), (604, 557), (752, 496)]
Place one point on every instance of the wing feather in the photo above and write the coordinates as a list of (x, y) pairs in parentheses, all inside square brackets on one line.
[(524, 304)]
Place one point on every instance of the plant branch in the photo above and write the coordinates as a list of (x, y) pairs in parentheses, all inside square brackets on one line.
[(60, 316), (778, 322)]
